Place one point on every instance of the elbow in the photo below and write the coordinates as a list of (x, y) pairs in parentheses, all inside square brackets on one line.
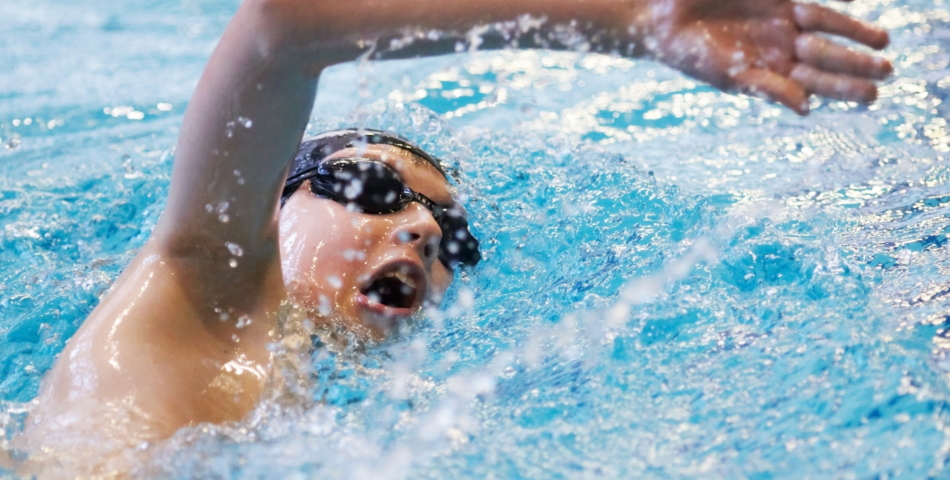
[(312, 34), (302, 28), (277, 24)]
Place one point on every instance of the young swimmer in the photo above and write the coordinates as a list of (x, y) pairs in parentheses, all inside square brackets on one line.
[(365, 229)]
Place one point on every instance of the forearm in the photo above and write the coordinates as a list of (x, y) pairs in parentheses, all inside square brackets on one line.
[(331, 32)]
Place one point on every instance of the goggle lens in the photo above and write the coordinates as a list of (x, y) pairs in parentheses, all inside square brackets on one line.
[(373, 187)]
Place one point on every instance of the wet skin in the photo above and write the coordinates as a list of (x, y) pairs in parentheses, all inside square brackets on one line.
[(147, 361)]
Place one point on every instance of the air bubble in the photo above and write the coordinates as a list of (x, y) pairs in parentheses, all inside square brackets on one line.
[(233, 263)]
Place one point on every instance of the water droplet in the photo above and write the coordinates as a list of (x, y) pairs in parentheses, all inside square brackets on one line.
[(324, 308), (234, 248), (243, 321), (353, 189), (350, 254)]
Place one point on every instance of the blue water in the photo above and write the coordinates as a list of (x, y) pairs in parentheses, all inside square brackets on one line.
[(677, 283)]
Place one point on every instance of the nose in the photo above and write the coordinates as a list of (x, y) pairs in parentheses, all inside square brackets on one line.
[(418, 228)]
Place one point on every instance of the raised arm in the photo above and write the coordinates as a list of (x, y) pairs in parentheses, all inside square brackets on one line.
[(250, 108), (254, 98)]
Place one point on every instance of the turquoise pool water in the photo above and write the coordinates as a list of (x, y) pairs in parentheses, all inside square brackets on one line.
[(677, 283)]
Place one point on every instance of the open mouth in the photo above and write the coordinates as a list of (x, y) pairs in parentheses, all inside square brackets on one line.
[(397, 288)]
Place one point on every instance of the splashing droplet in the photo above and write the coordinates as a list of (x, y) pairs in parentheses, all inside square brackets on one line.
[(234, 248)]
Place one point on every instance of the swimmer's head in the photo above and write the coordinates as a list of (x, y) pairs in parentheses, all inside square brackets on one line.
[(370, 230)]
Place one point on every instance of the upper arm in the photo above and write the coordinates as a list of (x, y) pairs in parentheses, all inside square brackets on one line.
[(241, 128)]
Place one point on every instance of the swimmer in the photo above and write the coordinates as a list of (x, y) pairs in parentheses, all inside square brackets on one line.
[(359, 230)]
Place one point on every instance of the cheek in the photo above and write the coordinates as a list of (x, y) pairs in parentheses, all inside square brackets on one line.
[(323, 250), (291, 243), (312, 242)]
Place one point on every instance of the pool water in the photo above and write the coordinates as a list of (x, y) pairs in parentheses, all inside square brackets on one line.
[(677, 282)]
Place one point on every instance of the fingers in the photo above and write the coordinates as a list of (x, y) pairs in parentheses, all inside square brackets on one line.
[(834, 85), (766, 83), (830, 69), (832, 57), (815, 18)]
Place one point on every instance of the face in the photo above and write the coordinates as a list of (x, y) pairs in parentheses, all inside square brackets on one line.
[(367, 273)]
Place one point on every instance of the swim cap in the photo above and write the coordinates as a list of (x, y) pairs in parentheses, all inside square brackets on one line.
[(313, 150)]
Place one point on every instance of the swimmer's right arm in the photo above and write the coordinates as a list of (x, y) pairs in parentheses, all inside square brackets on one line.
[(254, 98), (773, 48)]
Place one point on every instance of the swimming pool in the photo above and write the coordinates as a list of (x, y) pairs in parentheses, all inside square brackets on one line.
[(678, 283)]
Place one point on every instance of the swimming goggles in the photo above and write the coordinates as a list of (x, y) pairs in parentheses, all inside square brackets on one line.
[(369, 186)]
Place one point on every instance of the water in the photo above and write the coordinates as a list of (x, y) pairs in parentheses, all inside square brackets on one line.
[(677, 282)]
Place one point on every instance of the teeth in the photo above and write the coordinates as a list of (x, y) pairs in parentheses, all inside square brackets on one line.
[(404, 278)]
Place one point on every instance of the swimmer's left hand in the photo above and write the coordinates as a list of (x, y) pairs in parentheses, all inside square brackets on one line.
[(770, 48)]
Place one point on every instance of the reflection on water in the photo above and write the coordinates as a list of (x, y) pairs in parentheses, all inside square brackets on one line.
[(677, 282)]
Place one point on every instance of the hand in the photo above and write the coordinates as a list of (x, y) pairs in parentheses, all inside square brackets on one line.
[(770, 48)]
